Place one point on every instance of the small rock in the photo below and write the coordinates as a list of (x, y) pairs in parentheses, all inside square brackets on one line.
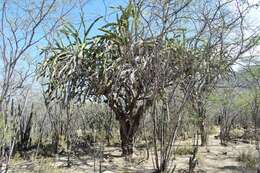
[(108, 172), (245, 141), (224, 153)]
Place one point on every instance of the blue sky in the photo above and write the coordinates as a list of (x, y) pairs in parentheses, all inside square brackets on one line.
[(92, 9), (96, 8)]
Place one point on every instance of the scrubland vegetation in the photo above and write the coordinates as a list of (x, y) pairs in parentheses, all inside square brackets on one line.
[(157, 86)]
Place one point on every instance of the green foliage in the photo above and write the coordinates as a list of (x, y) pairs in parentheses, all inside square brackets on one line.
[(5, 132), (229, 97), (213, 130), (66, 58), (184, 150), (105, 65)]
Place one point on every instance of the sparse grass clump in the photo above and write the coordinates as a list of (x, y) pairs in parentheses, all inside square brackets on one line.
[(184, 150), (212, 130), (248, 159), (46, 166), (236, 133)]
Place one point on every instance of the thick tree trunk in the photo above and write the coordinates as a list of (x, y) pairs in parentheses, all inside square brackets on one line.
[(126, 138), (203, 131), (55, 142), (129, 124), (1, 105), (203, 127), (202, 121)]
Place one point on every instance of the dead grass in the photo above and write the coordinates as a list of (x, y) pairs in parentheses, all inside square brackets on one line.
[(248, 159), (184, 150), (213, 158)]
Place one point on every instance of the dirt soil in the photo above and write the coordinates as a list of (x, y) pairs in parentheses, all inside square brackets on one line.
[(211, 159)]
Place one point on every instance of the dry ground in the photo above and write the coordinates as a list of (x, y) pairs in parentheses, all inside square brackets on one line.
[(212, 159)]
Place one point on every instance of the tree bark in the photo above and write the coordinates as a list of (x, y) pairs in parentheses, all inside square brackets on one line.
[(55, 142), (203, 125), (203, 131), (200, 109), (129, 125), (126, 136)]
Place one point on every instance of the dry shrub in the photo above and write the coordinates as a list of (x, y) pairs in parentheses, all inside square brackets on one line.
[(248, 159)]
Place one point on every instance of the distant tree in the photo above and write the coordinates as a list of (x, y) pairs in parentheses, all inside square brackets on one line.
[(251, 77), (220, 41)]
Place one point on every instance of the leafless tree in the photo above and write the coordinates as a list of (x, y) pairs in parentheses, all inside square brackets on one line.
[(23, 26), (221, 40), (252, 77)]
